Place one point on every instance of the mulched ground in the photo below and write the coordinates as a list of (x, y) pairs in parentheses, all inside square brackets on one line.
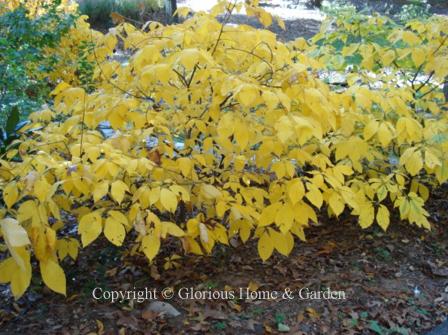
[(395, 283), (392, 7), (305, 28)]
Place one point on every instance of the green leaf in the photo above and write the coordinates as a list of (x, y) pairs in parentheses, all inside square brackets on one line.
[(374, 325), (13, 120)]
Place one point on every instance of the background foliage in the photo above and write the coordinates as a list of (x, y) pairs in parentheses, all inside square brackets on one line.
[(23, 39), (99, 11), (41, 43)]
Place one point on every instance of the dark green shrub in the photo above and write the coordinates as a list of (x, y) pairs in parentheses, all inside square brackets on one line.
[(23, 40)]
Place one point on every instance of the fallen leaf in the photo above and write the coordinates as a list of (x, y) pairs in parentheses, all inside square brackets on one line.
[(163, 308)]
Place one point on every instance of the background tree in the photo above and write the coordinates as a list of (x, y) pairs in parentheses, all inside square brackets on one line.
[(170, 9)]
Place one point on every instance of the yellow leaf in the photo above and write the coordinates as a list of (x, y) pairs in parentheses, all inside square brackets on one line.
[(414, 163), (50, 236), (174, 230), (239, 163), (16, 238), (296, 190), (62, 248), (118, 190), (183, 11), (241, 135), (21, 275), (336, 203), (367, 215), (156, 72), (384, 134), (284, 243), (270, 99), (190, 245), (388, 57), (424, 192), (245, 230), (90, 227), (350, 50), (210, 191), (7, 268), (285, 217), (268, 215), (185, 165), (253, 286), (150, 246), (26, 210), (120, 217), (279, 169), (181, 191), (13, 233), (189, 58), (314, 195), (10, 194), (431, 160), (220, 234), (265, 18), (280, 23), (60, 88), (42, 189), (168, 200), (382, 217), (265, 246), (100, 190), (410, 38), (221, 208), (154, 195), (114, 231), (418, 56), (54, 209), (247, 95), (370, 129), (72, 248), (53, 276), (299, 232)]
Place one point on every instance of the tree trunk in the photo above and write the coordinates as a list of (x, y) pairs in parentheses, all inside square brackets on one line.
[(170, 8)]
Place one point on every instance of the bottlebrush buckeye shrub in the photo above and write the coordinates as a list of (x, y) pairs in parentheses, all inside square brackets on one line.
[(218, 132)]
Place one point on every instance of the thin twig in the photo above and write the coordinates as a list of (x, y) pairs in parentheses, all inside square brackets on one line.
[(225, 21)]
